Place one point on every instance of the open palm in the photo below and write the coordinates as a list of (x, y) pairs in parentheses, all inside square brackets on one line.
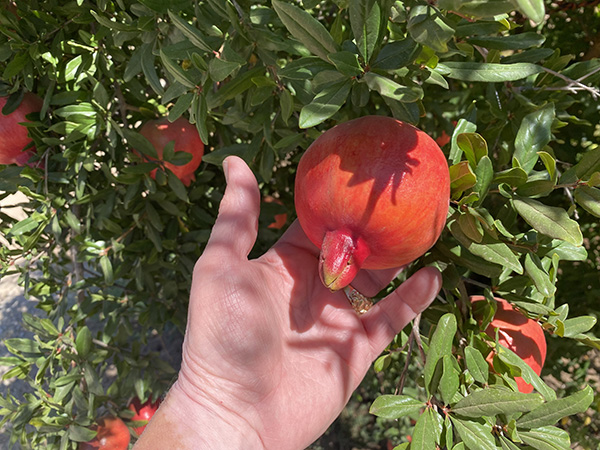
[(267, 345)]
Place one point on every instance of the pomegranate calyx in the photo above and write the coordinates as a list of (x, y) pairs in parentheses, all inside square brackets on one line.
[(341, 258)]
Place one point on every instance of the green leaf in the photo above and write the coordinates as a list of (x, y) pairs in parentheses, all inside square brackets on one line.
[(589, 199), (177, 72), (147, 62), (539, 276), (578, 325), (489, 249), (78, 433), (487, 72), (461, 178), (440, 345), (549, 220), (554, 410), (200, 117), (390, 89), (484, 173), (140, 143), (181, 105), (325, 104), (365, 21), (473, 146), (107, 270), (534, 10), (83, 341), (449, 381), (475, 435), (470, 227), (306, 29), (428, 26), (424, 433), (546, 438), (463, 126), (177, 186), (395, 406), (398, 54), (476, 364), (514, 177), (534, 134), (529, 376), (510, 42), (462, 257), (191, 33), (494, 401), (346, 63), (110, 24), (220, 69)]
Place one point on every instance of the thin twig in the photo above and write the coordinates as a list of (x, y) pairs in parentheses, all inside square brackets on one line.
[(572, 86)]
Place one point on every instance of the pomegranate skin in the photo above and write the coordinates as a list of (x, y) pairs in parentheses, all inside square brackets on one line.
[(160, 132), (13, 135), (371, 193), (518, 333)]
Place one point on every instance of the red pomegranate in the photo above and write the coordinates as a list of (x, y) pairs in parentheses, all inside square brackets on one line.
[(279, 220), (371, 193), (160, 132), (522, 335), (143, 411), (113, 434), (13, 135)]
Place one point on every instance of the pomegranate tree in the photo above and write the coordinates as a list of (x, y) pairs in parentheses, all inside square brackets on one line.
[(518, 333), (371, 193)]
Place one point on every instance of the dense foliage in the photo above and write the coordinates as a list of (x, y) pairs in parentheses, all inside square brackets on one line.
[(107, 250)]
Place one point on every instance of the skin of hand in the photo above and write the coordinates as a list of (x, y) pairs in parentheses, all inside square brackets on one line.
[(271, 356)]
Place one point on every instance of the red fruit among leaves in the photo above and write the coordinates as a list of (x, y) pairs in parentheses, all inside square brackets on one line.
[(143, 412), (371, 193), (113, 434), (160, 132), (279, 220), (522, 335), (13, 135)]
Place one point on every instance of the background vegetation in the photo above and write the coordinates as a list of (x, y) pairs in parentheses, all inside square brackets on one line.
[(107, 251)]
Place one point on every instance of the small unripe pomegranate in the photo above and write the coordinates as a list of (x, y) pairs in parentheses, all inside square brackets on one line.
[(518, 333), (160, 132), (371, 193), (13, 135)]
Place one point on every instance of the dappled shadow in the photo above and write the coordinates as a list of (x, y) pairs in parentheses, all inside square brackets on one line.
[(371, 151)]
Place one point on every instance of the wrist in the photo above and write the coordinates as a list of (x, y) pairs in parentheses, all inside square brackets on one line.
[(189, 420)]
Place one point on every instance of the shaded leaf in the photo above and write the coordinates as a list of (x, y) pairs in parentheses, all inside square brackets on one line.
[(533, 135), (487, 72), (325, 104), (306, 29)]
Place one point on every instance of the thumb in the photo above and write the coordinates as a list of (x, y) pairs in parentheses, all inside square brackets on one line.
[(236, 227)]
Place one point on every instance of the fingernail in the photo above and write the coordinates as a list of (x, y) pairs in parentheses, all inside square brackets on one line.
[(226, 169)]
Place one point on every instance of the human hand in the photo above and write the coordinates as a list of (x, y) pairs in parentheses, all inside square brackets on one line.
[(271, 356)]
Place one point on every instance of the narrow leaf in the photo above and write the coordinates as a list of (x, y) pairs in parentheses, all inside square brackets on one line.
[(325, 104), (306, 29), (533, 135), (395, 406), (552, 411), (487, 72), (494, 401)]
